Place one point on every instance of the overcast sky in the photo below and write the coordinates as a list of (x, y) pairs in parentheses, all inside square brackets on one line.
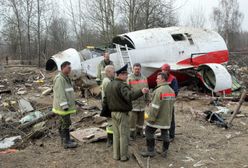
[(188, 6)]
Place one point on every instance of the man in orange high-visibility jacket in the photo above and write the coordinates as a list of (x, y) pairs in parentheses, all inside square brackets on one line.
[(159, 116), (137, 81)]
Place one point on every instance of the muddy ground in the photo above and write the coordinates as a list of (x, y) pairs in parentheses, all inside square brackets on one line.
[(198, 143)]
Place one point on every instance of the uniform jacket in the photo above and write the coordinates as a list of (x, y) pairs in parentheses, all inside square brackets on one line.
[(101, 70), (137, 83), (160, 109), (172, 80), (118, 96), (63, 95), (104, 84)]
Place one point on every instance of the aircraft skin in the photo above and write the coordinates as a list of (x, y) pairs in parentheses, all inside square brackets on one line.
[(182, 48)]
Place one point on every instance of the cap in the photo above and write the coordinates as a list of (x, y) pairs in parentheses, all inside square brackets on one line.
[(165, 67), (122, 69)]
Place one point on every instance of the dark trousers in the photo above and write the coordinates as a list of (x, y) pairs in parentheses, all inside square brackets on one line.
[(64, 122), (150, 132), (173, 124)]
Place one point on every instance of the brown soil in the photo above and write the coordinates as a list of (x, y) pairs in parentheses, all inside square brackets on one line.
[(197, 144)]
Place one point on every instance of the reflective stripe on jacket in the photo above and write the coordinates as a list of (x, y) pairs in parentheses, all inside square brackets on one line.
[(159, 113), (63, 95), (137, 83)]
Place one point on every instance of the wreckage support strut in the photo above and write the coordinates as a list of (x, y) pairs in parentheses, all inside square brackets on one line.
[(238, 107)]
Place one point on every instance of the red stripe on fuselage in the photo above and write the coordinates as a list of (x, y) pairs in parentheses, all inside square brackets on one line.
[(212, 57), (218, 57)]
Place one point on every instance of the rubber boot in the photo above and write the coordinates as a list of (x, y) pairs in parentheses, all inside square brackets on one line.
[(150, 148), (165, 148), (61, 136), (132, 135), (67, 140), (109, 140), (140, 133)]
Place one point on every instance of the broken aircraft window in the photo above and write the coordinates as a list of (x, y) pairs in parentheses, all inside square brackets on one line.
[(178, 37), (191, 42)]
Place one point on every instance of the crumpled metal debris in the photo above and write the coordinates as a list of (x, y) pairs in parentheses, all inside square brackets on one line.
[(8, 142), (31, 116)]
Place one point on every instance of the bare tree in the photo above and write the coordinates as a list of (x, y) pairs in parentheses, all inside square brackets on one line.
[(12, 16), (38, 32), (102, 14), (131, 10), (159, 13), (143, 14), (24, 20), (59, 36), (227, 19), (32, 31), (76, 14), (197, 18), (28, 8)]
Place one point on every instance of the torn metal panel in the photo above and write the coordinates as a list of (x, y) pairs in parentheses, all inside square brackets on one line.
[(25, 106), (70, 55), (235, 84), (31, 116), (8, 142), (215, 77)]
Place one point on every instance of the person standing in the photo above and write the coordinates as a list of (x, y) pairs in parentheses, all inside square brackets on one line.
[(64, 103), (172, 80), (100, 67), (118, 98), (110, 74), (159, 116), (137, 81)]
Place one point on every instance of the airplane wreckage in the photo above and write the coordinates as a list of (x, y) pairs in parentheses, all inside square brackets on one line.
[(192, 54)]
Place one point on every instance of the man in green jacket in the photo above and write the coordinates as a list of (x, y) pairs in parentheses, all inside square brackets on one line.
[(137, 81), (159, 115), (64, 103), (118, 98), (101, 66), (110, 74)]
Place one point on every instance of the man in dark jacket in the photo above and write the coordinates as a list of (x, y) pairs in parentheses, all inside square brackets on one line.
[(118, 97)]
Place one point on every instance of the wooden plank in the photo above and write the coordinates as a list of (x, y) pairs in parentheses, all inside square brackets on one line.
[(137, 157)]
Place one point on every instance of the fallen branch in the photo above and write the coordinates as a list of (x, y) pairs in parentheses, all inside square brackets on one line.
[(17, 130)]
